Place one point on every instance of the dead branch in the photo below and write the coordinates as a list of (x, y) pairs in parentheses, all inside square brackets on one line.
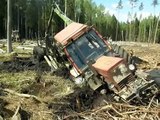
[(23, 95), (102, 108), (113, 117), (120, 111), (149, 106), (117, 111), (126, 105), (15, 117)]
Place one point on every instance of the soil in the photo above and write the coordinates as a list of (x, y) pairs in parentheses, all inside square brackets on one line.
[(58, 97)]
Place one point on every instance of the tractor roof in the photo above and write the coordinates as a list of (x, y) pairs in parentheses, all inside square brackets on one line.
[(72, 31)]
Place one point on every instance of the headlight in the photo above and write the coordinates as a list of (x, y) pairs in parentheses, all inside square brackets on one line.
[(111, 86), (131, 67), (103, 91), (79, 80)]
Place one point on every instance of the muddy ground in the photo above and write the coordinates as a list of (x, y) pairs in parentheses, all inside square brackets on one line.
[(51, 97)]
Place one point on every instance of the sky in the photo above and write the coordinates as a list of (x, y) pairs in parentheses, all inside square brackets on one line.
[(111, 5)]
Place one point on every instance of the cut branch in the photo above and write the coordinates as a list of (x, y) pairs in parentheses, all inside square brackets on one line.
[(23, 95)]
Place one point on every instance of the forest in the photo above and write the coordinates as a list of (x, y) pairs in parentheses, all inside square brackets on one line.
[(30, 18)]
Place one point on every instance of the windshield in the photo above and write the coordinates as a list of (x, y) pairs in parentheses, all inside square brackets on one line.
[(87, 47)]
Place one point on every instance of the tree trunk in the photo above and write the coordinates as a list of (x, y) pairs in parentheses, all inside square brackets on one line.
[(155, 35), (65, 11), (116, 31), (17, 18), (149, 36), (139, 33), (130, 31), (26, 28), (144, 34), (122, 36), (9, 26)]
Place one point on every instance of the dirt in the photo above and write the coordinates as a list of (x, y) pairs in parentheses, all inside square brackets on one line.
[(59, 97)]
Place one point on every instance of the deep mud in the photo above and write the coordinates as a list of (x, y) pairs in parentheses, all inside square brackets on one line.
[(60, 98), (23, 76)]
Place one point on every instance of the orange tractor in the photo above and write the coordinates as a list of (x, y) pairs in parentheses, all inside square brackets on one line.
[(91, 61)]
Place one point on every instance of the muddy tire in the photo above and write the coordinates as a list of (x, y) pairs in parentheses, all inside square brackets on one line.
[(157, 81), (123, 53), (38, 53)]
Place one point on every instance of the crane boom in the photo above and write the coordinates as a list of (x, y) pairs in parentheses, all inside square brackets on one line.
[(58, 11)]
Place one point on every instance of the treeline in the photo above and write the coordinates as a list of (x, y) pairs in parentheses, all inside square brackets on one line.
[(30, 17)]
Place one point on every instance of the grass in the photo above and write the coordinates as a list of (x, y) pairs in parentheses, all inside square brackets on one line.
[(17, 80), (4, 57)]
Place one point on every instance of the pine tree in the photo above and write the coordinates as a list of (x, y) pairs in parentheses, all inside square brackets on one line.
[(119, 7), (155, 3), (140, 30)]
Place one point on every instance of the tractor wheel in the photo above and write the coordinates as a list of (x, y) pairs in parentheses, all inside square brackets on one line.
[(157, 81), (123, 53), (38, 53)]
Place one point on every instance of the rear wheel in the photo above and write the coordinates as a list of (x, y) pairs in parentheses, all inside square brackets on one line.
[(38, 53), (123, 53), (157, 81)]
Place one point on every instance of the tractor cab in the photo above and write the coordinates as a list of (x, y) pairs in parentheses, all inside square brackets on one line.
[(82, 44)]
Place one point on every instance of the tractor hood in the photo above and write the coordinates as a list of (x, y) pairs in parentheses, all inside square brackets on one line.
[(105, 64)]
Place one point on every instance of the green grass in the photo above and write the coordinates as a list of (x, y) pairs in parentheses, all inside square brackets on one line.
[(17, 80), (7, 57)]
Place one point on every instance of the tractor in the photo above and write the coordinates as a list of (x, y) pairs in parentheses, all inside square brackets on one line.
[(80, 51)]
